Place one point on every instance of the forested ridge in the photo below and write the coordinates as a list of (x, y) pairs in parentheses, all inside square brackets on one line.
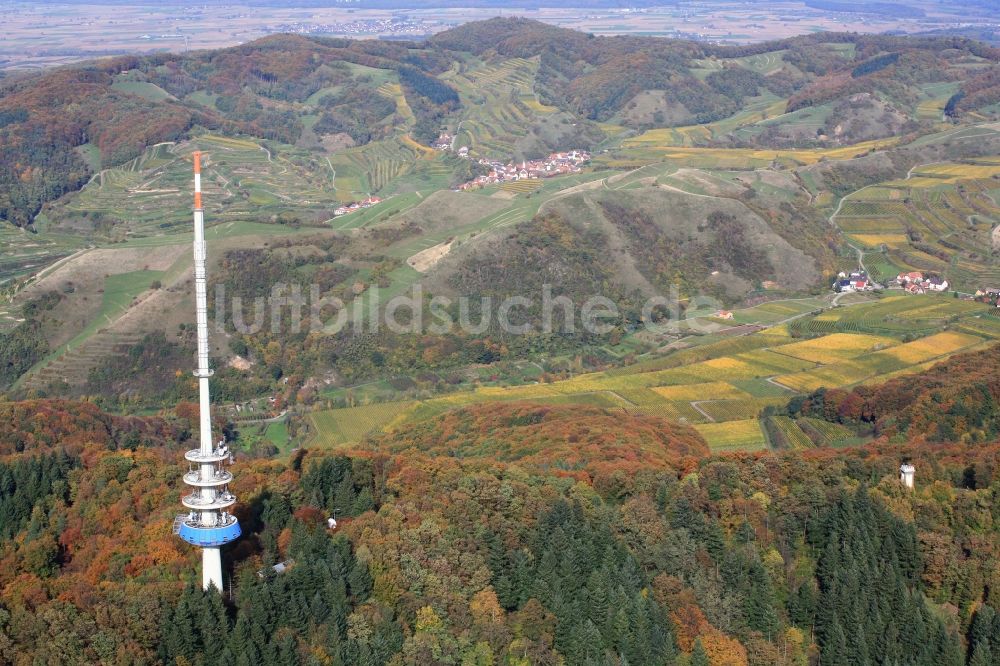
[(45, 117), (645, 550), (957, 399)]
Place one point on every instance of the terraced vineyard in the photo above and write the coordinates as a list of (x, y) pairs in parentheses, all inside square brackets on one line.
[(756, 110), (351, 424), (501, 105), (243, 180), (525, 186), (826, 433), (25, 254), (895, 315), (939, 220), (724, 386), (389, 166), (743, 435), (656, 145), (792, 434), (72, 367), (71, 362)]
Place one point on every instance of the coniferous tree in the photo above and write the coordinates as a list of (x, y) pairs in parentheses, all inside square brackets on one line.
[(981, 655), (698, 656)]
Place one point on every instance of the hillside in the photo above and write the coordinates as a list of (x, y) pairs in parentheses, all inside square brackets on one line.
[(956, 399), (599, 77), (816, 154), (443, 554), (537, 81), (641, 240), (588, 441)]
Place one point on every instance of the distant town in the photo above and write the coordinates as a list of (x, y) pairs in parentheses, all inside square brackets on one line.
[(362, 27), (556, 164)]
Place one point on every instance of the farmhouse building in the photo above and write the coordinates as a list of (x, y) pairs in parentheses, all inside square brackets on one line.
[(856, 281), (918, 283)]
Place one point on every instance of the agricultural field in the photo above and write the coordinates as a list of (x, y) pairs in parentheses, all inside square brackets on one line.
[(693, 392), (277, 434), (807, 433), (936, 96), (827, 433), (834, 348), (351, 424), (896, 315), (855, 369), (656, 145), (724, 387), (733, 436), (787, 427)]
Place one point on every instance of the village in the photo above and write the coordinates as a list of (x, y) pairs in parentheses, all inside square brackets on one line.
[(357, 205), (917, 283), (556, 164), (912, 282)]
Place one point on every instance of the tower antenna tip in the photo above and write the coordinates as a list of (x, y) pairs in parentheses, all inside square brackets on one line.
[(196, 157)]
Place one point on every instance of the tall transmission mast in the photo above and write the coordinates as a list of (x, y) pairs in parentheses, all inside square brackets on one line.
[(207, 524)]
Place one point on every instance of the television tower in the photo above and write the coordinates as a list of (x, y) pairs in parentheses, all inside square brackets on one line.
[(207, 524)]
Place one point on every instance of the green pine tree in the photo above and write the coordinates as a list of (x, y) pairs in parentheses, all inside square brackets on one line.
[(698, 656)]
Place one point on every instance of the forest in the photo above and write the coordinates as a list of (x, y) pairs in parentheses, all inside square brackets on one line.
[(511, 533), (24, 345), (957, 399)]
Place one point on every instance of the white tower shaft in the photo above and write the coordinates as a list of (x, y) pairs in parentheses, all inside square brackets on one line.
[(211, 568), (211, 557), (207, 525)]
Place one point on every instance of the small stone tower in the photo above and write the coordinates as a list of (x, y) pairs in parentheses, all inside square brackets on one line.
[(906, 472)]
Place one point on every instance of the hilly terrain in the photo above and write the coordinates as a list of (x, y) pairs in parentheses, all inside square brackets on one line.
[(739, 174), (408, 243)]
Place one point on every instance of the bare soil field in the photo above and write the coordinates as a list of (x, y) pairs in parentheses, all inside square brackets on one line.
[(425, 260)]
